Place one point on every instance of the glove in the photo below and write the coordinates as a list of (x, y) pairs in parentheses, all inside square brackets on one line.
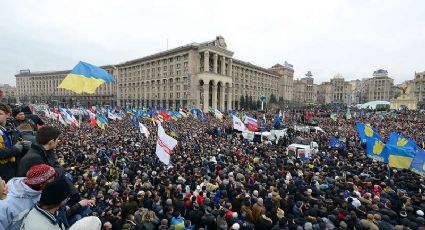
[(26, 145), (18, 147)]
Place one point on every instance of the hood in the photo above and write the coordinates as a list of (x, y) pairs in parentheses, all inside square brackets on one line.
[(18, 188)]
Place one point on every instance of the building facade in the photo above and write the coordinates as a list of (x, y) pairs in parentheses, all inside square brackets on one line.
[(379, 86), (419, 86), (200, 75), (305, 90), (336, 91), (42, 87)]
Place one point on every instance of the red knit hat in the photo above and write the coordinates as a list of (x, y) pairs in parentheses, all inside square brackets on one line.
[(39, 174)]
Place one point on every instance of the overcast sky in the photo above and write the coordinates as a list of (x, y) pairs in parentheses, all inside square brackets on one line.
[(350, 37)]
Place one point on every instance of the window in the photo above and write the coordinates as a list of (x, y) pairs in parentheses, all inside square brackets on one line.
[(178, 95)]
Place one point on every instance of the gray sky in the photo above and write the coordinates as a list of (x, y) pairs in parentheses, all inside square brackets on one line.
[(350, 37)]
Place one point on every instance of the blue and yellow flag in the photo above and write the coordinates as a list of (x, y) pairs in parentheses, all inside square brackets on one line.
[(376, 150), (101, 121), (418, 163), (403, 142), (399, 157), (85, 78), (365, 131)]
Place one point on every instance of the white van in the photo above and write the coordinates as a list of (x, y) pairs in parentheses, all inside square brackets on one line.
[(300, 151)]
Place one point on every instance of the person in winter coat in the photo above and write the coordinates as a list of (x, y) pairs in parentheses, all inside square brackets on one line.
[(258, 210), (44, 215), (130, 223), (246, 209), (24, 192), (264, 222), (42, 152), (11, 149)]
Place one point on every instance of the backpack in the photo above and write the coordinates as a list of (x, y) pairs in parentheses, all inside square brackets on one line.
[(19, 220)]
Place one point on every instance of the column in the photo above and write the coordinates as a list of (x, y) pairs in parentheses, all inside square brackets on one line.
[(223, 65), (198, 97), (206, 61), (230, 67), (222, 93), (206, 97), (214, 96), (215, 63), (229, 98)]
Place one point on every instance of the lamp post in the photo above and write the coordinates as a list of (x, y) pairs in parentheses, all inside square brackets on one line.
[(262, 98)]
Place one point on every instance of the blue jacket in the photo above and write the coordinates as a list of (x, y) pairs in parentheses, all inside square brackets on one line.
[(19, 198)]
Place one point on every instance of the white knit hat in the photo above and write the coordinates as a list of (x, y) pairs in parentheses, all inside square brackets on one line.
[(87, 223)]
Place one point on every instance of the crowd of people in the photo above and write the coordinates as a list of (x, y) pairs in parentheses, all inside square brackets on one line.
[(67, 177)]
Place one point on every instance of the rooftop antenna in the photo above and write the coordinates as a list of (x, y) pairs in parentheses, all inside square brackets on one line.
[(167, 43)]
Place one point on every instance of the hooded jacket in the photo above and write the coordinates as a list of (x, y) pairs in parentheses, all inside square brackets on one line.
[(19, 198)]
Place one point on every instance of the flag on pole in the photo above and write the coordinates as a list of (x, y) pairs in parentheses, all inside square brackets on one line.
[(85, 78), (164, 145), (144, 130), (252, 124), (238, 124), (218, 114)]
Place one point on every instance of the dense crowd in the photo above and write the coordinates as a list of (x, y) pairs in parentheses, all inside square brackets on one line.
[(216, 179)]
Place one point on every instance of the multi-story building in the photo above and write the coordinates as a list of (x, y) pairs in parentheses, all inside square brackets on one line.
[(419, 86), (379, 86), (8, 94), (337, 91), (42, 87), (305, 90), (198, 75)]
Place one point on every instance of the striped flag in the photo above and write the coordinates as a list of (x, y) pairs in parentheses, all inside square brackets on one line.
[(164, 145)]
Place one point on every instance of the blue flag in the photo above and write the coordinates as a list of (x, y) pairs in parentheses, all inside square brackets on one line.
[(400, 157), (336, 143), (366, 131), (403, 142), (276, 121), (377, 150), (418, 163)]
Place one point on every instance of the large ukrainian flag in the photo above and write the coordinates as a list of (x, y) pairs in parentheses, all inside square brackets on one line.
[(366, 131), (85, 78), (400, 157), (377, 150), (402, 142)]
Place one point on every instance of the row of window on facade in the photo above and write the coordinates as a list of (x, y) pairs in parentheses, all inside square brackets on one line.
[(156, 95)]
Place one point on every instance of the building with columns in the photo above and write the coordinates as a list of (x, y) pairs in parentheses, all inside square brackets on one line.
[(305, 90), (336, 91), (200, 75), (419, 86), (378, 88)]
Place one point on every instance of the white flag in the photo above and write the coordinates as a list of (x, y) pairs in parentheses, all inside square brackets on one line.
[(164, 145), (144, 130), (112, 116), (238, 124)]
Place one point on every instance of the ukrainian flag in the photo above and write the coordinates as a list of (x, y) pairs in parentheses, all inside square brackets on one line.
[(101, 122), (418, 163), (85, 78), (376, 150), (366, 131), (403, 142), (400, 157)]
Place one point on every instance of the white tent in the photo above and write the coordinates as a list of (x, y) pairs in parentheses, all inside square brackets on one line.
[(375, 104)]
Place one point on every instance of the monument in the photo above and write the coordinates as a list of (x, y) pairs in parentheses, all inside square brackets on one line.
[(404, 101)]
